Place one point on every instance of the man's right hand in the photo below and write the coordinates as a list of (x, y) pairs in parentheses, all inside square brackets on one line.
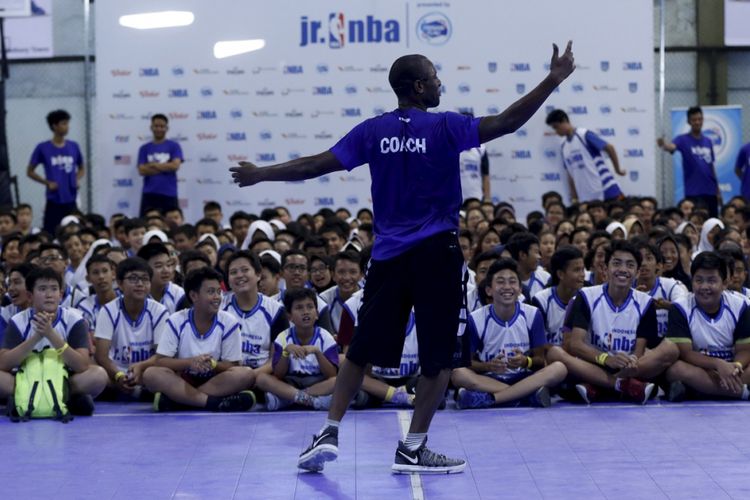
[(562, 66), (619, 361), (246, 174), (52, 185)]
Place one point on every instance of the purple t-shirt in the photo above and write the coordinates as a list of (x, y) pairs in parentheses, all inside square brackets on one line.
[(164, 183), (697, 165), (743, 165), (61, 165), (416, 185)]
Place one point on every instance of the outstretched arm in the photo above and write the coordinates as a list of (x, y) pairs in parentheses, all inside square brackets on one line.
[(307, 167), (518, 113)]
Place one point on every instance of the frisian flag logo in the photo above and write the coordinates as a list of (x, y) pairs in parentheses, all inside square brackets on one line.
[(604, 65), (492, 67)]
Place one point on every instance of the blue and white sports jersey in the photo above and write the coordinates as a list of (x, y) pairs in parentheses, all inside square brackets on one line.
[(536, 282), (179, 337), (492, 337), (334, 306), (614, 329), (309, 364), (668, 289), (90, 307), (409, 365), (584, 162), (72, 296), (258, 327), (321, 304), (172, 296), (713, 336), (132, 340), (6, 312), (553, 313), (64, 323)]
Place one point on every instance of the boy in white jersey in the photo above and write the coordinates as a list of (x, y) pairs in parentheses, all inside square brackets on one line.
[(610, 327), (198, 354), (126, 327), (46, 324), (481, 264), (568, 272), (346, 275), (20, 298), (53, 256), (100, 272), (305, 358), (261, 318), (295, 271), (737, 270), (163, 290), (711, 328), (524, 248), (509, 341), (663, 290)]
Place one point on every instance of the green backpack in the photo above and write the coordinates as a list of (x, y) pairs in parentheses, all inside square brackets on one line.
[(41, 388)]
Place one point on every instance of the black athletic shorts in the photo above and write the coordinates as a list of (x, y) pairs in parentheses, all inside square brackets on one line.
[(431, 277), (153, 200)]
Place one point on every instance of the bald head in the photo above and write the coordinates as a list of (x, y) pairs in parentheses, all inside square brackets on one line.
[(405, 71)]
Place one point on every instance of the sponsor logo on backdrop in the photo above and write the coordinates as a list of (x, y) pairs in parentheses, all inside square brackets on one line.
[(208, 114), (176, 115), (549, 176), (434, 28), (120, 72), (632, 131), (321, 112), (178, 71), (604, 88), (520, 88), (378, 90), (379, 68), (145, 138), (351, 178), (339, 30), (578, 110), (324, 180), (492, 90), (577, 87), (235, 113), (464, 88), (294, 113), (120, 116), (521, 154), (290, 90), (352, 200), (207, 181), (492, 67), (465, 109), (236, 136), (178, 138), (293, 135), (293, 69), (122, 138), (294, 201), (494, 153), (235, 71), (265, 157), (321, 68), (265, 135), (634, 153), (633, 87), (177, 93), (604, 65), (267, 203), (262, 69), (207, 91), (463, 67), (632, 109), (122, 183), (549, 108), (205, 71), (632, 66), (293, 155), (605, 109), (607, 132), (633, 175), (123, 159), (149, 93), (350, 69), (351, 112), (206, 136), (148, 72), (522, 132), (323, 201), (323, 135), (263, 114), (323, 90), (208, 158), (493, 110), (235, 92), (264, 92), (350, 89), (121, 95), (550, 153), (236, 157), (524, 67), (238, 203)]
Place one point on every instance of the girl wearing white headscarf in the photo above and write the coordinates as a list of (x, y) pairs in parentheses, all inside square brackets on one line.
[(708, 231)]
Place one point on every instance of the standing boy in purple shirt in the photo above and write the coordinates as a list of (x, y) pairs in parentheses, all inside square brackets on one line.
[(63, 170), (158, 162), (698, 162), (742, 170), (417, 260)]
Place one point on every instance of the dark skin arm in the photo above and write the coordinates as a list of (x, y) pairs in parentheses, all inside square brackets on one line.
[(300, 169)]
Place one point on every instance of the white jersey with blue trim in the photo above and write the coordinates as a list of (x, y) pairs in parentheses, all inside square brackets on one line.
[(172, 296), (537, 281), (553, 313), (668, 289), (180, 338), (72, 296), (713, 336), (64, 322), (409, 365), (309, 365), (255, 327), (334, 305), (132, 340), (591, 175), (90, 308), (470, 168), (6, 312), (494, 337), (321, 304), (613, 329)]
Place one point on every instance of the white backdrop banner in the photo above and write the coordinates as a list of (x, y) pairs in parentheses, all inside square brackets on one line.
[(324, 69)]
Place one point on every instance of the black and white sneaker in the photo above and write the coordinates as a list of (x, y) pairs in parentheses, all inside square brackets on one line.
[(424, 461), (324, 448)]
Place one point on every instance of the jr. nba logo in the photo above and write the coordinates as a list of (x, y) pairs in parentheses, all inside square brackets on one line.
[(492, 67), (604, 65), (633, 87), (520, 88), (634, 175), (336, 30)]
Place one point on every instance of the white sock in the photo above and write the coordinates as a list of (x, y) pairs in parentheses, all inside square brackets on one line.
[(330, 423), (414, 440), (617, 384), (745, 392)]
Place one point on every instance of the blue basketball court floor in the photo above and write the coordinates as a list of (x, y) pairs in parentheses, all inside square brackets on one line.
[(611, 451)]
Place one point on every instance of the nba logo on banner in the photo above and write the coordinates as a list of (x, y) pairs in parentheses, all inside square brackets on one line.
[(633, 87), (520, 88), (492, 67), (634, 175), (604, 65)]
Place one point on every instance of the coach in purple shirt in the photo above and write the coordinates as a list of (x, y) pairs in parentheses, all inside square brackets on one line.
[(417, 262), (63, 170), (158, 162), (698, 163)]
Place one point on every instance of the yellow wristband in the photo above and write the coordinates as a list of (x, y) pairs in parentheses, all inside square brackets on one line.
[(529, 362), (214, 364), (602, 358), (119, 375), (284, 354), (62, 349), (739, 364)]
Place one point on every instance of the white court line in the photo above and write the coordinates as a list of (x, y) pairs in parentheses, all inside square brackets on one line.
[(404, 419)]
